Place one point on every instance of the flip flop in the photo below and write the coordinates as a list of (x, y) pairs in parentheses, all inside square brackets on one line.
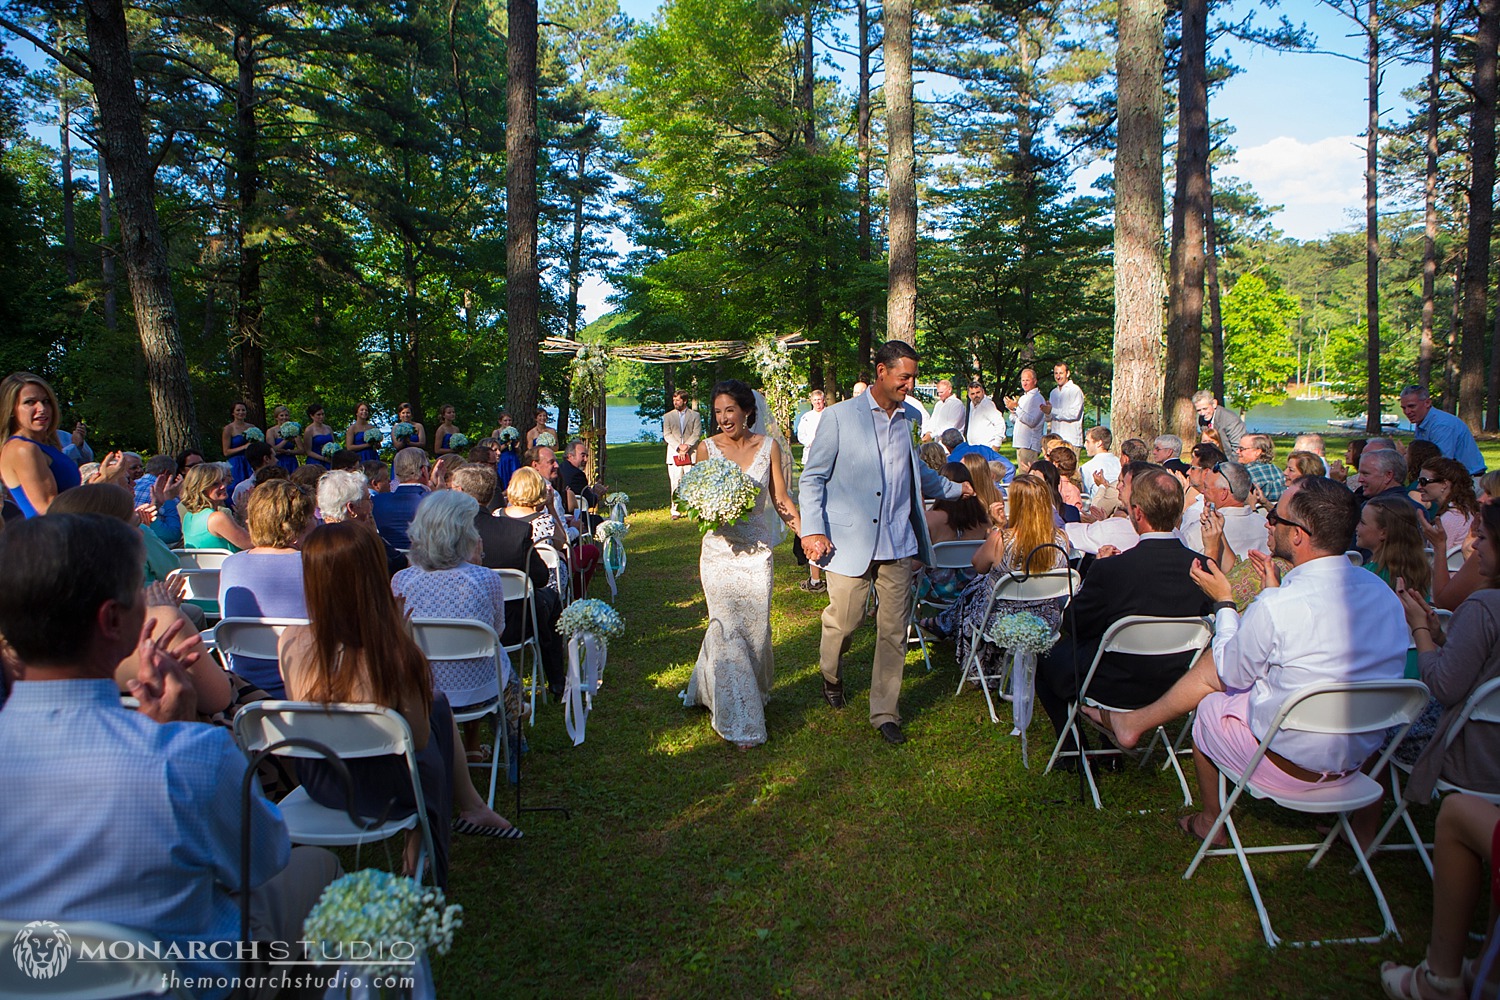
[(469, 827)]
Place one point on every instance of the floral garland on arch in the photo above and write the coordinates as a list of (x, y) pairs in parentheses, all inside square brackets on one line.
[(590, 375), (780, 382)]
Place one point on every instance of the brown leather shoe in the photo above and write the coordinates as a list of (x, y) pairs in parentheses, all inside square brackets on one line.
[(834, 694), (892, 733)]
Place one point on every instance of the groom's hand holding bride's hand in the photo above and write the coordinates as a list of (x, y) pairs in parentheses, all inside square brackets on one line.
[(816, 547)]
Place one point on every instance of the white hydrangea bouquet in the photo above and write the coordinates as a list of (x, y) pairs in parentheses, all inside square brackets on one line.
[(588, 624), (614, 499), (611, 529), (332, 448), (254, 434), (717, 492), (509, 434), (1026, 636), (395, 920), (403, 430), (290, 429), (457, 441)]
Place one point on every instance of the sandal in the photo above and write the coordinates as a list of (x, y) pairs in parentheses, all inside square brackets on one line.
[(469, 827), (1405, 982), (483, 755)]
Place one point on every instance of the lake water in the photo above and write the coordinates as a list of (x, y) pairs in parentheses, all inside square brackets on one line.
[(1294, 416)]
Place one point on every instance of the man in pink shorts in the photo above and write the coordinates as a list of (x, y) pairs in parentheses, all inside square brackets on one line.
[(1327, 621)]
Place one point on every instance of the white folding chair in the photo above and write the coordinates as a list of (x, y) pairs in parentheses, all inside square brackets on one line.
[(517, 587), (1335, 709), (200, 586), (1483, 706), (349, 731), (1455, 558), (1355, 557), (562, 576), (955, 555), (1053, 585), (47, 965), (201, 558), (446, 640), (1135, 635)]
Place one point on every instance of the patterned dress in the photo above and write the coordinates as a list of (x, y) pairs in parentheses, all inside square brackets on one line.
[(465, 591)]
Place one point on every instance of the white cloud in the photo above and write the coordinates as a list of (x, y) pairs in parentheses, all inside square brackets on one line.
[(1320, 184)]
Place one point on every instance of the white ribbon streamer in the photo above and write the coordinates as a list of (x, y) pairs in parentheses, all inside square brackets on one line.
[(586, 655), (1022, 688)]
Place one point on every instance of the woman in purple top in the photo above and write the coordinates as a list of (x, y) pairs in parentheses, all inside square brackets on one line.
[(32, 465), (266, 581)]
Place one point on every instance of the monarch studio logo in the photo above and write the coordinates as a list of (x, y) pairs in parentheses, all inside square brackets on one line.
[(42, 949)]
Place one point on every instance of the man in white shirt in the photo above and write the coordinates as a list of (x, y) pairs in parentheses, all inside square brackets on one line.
[(1118, 531), (807, 424), (680, 429), (1228, 490), (1029, 421), (986, 422), (1064, 407), (1101, 461), (947, 412), (1298, 632)]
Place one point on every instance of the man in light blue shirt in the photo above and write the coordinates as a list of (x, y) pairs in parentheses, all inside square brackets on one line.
[(1451, 435), (131, 818)]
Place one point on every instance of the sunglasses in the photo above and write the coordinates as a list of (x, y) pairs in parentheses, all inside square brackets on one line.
[(1427, 481), (1274, 519)]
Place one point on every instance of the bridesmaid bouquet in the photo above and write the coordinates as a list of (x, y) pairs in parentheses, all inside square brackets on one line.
[(254, 434), (590, 615), (717, 492), (457, 441), (402, 430), (290, 429), (394, 920), (1023, 632), (508, 434), (332, 448)]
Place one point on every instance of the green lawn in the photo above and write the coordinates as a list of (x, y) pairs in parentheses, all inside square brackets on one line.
[(827, 863)]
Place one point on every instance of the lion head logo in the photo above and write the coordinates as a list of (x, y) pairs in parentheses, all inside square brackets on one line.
[(42, 949)]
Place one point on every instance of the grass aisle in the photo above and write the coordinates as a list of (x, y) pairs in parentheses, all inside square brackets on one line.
[(827, 863)]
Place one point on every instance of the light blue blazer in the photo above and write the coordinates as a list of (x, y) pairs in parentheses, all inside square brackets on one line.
[(842, 482)]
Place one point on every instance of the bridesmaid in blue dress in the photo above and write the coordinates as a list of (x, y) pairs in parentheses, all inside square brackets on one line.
[(445, 431), (235, 442), (418, 439), (32, 465), (362, 436), (315, 435), (287, 448)]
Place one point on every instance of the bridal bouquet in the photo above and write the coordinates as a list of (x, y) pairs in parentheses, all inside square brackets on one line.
[(290, 429), (254, 434), (590, 615), (393, 919), (1023, 632), (717, 492)]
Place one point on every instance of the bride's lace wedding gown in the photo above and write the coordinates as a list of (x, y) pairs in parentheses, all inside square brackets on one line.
[(734, 671)]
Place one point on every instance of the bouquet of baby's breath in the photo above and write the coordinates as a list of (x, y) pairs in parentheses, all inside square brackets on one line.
[(617, 498), (717, 492), (332, 448), (590, 615), (611, 529), (290, 429), (254, 434), (1023, 631), (457, 441), (397, 916)]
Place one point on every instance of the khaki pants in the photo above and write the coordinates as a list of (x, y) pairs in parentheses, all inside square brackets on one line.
[(892, 580), (674, 476), (1024, 458)]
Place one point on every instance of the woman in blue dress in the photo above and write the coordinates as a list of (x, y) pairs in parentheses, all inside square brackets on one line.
[(510, 459), (418, 439), (235, 438), (287, 448), (32, 465), (315, 436), (445, 431), (362, 436)]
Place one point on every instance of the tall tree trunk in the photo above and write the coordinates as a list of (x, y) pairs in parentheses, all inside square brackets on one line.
[(1026, 174), (1372, 229), (411, 352), (1481, 215), (813, 278), (1135, 399), (106, 251), (69, 190), (522, 280), (901, 175), (1429, 242), (1211, 275), (1455, 328), (122, 135), (866, 335), (248, 310), (575, 282), (1189, 209)]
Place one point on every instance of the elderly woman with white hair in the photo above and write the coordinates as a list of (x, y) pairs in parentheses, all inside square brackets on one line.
[(445, 581)]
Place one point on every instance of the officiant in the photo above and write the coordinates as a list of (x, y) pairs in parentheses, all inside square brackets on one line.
[(681, 428)]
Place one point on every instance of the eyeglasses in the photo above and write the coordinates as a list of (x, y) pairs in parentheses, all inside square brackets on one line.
[(1427, 481), (1274, 519)]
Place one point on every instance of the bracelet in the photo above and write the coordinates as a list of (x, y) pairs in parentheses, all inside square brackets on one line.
[(1421, 628)]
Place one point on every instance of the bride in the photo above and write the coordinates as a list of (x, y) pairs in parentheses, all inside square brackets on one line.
[(733, 674)]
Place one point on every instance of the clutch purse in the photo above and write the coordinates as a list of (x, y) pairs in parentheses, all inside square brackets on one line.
[(682, 460)]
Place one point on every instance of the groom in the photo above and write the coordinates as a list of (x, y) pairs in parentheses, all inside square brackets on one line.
[(862, 487)]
